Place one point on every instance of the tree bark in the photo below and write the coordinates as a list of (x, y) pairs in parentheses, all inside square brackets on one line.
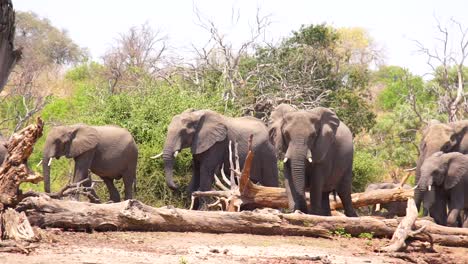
[(132, 215), (8, 55), (14, 169)]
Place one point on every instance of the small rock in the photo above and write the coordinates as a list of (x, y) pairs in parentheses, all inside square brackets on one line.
[(214, 250)]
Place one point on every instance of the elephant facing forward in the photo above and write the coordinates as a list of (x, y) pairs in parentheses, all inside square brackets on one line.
[(445, 137), (444, 176), (318, 151), (208, 134), (108, 151)]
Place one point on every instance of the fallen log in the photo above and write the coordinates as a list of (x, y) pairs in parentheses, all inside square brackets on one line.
[(132, 215), (404, 229)]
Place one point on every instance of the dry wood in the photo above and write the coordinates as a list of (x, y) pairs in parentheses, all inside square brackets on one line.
[(404, 229), (130, 215), (16, 226), (14, 169)]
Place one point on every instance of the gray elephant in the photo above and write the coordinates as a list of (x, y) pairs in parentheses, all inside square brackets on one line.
[(393, 208), (208, 134), (3, 150), (318, 154), (450, 137), (444, 176), (108, 151)]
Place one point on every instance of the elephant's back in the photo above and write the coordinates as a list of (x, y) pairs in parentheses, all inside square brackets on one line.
[(245, 126), (116, 140)]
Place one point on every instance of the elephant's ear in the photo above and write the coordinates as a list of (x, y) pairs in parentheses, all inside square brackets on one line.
[(276, 124), (276, 136), (210, 129), (329, 125), (458, 167), (83, 138)]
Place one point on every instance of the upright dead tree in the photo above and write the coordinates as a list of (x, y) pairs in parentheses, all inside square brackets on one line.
[(448, 64), (8, 54)]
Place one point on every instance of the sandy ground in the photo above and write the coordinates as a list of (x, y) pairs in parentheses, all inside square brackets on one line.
[(168, 247)]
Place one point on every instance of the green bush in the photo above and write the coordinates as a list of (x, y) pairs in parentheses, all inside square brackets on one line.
[(367, 168)]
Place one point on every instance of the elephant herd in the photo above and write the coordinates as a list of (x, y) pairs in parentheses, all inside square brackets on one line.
[(316, 148)]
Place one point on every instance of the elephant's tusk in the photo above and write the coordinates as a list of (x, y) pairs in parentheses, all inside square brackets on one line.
[(309, 155), (39, 164), (156, 156), (377, 207), (429, 188), (285, 160), (175, 153), (50, 162)]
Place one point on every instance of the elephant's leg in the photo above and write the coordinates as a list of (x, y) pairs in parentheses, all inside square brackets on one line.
[(209, 161), (465, 218), (456, 204), (344, 191), (195, 181), (326, 204), (269, 170), (287, 186), (113, 192), (316, 176), (438, 210), (129, 178), (81, 171)]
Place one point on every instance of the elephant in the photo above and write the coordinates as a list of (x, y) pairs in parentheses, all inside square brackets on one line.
[(108, 151), (318, 154), (444, 176), (445, 137), (209, 134), (393, 208), (3, 149)]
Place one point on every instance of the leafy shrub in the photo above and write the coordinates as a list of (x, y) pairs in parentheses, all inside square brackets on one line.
[(366, 169)]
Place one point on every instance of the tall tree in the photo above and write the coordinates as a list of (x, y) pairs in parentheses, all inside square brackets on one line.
[(447, 62), (8, 55)]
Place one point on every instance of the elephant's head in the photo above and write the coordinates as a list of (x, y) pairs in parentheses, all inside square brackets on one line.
[(197, 129), (439, 137), (68, 141), (441, 171), (303, 136)]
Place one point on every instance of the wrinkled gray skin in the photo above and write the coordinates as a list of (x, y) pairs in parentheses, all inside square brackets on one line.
[(393, 208), (450, 137), (447, 175), (3, 150), (208, 133), (320, 136), (108, 151)]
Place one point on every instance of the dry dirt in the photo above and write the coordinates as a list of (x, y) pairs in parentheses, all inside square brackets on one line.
[(57, 246)]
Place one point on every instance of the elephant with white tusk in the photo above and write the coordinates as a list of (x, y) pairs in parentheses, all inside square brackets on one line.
[(445, 137), (208, 134), (318, 151), (108, 151), (444, 177)]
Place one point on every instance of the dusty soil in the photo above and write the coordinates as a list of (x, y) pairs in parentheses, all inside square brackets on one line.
[(57, 246)]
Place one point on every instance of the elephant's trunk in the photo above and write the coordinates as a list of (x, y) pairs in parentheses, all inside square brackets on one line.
[(297, 155), (169, 160), (46, 172)]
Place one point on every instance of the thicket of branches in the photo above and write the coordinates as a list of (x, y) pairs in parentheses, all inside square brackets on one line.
[(141, 83)]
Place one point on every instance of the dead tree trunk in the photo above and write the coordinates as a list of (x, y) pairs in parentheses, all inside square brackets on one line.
[(132, 215), (8, 55), (14, 169)]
